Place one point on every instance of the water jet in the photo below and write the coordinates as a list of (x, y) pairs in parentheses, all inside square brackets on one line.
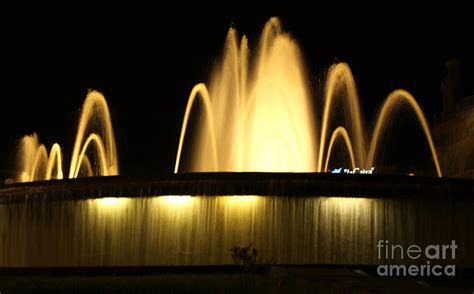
[(256, 172)]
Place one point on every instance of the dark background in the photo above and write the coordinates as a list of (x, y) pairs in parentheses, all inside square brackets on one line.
[(145, 60)]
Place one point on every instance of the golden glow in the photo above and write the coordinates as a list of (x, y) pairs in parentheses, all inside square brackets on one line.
[(340, 132), (242, 198), (200, 89), (113, 201), (55, 161), (257, 117), (172, 199), (264, 123), (260, 118), (391, 104), (34, 163), (95, 115), (347, 205), (100, 149), (39, 163), (341, 81), (347, 201)]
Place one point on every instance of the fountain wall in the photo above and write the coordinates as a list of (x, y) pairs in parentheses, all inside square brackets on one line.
[(201, 230)]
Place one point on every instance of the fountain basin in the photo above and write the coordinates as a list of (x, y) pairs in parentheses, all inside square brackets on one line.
[(187, 219)]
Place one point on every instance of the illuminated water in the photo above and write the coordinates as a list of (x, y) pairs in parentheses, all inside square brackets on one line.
[(34, 163), (94, 152), (258, 115), (258, 118), (174, 230)]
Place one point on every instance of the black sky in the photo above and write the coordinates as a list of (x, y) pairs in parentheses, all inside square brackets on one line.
[(145, 60)]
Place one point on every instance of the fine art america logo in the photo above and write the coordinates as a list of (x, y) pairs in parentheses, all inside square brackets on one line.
[(431, 255)]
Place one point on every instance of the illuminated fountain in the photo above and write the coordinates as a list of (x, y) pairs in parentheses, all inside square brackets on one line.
[(255, 120), (34, 163), (261, 118), (258, 116), (94, 152)]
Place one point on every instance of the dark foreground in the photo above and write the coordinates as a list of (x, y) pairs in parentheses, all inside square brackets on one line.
[(225, 279)]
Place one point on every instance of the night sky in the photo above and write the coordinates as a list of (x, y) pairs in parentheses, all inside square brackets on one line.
[(146, 60)]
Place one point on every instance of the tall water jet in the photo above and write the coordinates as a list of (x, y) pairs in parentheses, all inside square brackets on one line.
[(387, 113), (260, 118), (95, 127), (264, 123)]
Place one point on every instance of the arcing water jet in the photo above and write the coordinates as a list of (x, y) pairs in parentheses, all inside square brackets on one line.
[(260, 117), (96, 124), (261, 123), (34, 163)]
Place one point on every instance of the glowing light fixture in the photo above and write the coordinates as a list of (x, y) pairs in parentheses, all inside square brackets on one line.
[(177, 199), (110, 200)]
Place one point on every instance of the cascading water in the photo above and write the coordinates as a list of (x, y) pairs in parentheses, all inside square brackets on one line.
[(258, 116), (94, 152), (184, 230)]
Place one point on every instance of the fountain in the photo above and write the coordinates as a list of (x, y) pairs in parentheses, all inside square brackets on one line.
[(34, 164), (258, 120), (261, 119)]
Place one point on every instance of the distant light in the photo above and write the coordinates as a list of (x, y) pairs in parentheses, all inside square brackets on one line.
[(177, 199), (243, 198), (110, 200)]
